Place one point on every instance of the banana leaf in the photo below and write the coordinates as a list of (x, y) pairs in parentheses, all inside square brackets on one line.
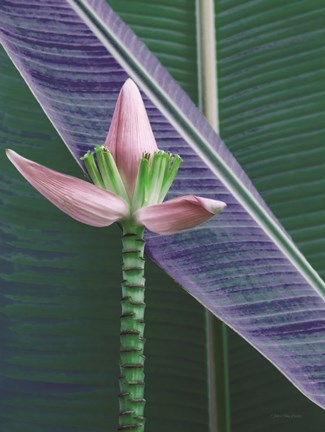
[(270, 300)]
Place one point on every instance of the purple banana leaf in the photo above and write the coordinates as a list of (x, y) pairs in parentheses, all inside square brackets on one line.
[(75, 56)]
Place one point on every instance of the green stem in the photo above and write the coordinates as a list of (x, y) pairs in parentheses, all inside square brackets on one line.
[(131, 397)]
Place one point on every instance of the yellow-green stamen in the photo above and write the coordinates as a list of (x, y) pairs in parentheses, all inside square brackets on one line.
[(155, 176), (92, 169), (106, 175)]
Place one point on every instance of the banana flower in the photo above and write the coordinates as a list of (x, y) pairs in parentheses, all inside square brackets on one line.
[(131, 178)]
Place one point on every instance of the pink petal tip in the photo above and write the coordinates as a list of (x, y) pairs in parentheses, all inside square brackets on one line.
[(178, 214)]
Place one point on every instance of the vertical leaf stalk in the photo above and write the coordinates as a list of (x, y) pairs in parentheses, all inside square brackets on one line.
[(217, 337), (131, 397)]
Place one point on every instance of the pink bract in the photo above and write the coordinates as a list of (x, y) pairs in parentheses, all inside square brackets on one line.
[(79, 199), (178, 214), (130, 134)]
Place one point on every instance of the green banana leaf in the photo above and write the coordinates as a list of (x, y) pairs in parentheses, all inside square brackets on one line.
[(260, 398), (272, 111)]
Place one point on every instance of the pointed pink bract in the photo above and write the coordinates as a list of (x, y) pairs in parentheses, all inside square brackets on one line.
[(130, 134), (178, 214), (79, 199)]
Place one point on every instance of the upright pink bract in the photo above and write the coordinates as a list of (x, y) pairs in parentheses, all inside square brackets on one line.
[(130, 134)]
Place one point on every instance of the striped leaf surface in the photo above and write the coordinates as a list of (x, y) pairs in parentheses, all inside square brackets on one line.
[(272, 112)]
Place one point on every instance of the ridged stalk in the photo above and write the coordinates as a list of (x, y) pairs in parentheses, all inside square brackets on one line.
[(131, 397)]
